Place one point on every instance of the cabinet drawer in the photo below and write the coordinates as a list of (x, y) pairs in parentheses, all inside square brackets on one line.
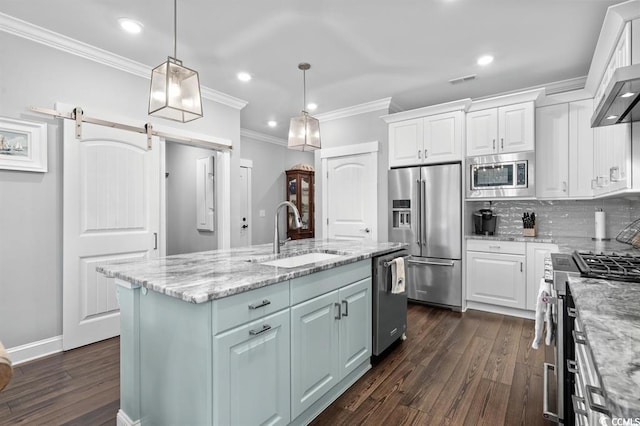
[(310, 286), (251, 305), (507, 247)]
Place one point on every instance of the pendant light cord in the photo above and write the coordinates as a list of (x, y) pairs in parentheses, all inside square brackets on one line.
[(304, 90), (175, 29)]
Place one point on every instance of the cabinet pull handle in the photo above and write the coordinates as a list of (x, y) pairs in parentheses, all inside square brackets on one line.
[(264, 328), (579, 337), (425, 153), (572, 366), (571, 312), (590, 390), (495, 247), (501, 143), (520, 266), (564, 186), (346, 308), (265, 302), (575, 399), (419, 154), (155, 241), (494, 144), (339, 306)]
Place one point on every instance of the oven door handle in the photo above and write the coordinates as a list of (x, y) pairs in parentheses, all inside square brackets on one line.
[(545, 394)]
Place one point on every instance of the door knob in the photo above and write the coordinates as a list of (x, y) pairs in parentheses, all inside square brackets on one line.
[(367, 230), (245, 226)]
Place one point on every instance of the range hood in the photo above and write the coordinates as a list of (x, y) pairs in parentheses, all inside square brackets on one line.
[(620, 101)]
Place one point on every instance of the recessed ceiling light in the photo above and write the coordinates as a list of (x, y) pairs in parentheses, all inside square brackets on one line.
[(627, 95), (130, 25), (612, 117), (244, 76), (272, 123), (311, 106), (485, 60)]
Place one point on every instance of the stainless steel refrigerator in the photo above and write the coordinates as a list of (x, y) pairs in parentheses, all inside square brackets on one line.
[(425, 206)]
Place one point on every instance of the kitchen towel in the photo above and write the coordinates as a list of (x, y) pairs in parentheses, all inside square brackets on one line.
[(397, 275), (543, 315)]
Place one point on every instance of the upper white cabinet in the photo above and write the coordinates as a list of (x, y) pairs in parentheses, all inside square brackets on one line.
[(503, 129), (612, 158), (433, 139), (580, 149), (427, 135), (552, 151)]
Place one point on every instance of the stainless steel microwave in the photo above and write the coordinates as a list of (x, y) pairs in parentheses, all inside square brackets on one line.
[(502, 176)]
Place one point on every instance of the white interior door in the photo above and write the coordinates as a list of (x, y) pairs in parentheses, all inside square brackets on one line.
[(245, 205), (351, 197), (111, 212)]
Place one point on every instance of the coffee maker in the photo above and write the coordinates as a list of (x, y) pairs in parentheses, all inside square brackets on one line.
[(484, 222)]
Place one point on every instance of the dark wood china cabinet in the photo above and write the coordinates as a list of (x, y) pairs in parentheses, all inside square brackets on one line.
[(300, 192)]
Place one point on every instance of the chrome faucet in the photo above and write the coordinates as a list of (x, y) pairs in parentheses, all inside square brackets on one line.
[(297, 224)]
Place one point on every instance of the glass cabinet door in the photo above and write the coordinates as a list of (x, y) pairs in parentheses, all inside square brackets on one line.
[(304, 201), (292, 190)]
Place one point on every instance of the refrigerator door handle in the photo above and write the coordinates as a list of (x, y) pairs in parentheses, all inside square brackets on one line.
[(422, 262), (423, 208), (419, 215)]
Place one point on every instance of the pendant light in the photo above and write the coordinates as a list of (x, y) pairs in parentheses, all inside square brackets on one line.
[(304, 131), (175, 89)]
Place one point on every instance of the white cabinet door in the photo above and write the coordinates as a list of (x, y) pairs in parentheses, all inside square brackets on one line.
[(405, 143), (497, 279), (443, 137), (251, 373), (355, 325), (482, 132), (580, 149), (619, 175), (315, 350), (536, 252), (516, 128), (552, 151)]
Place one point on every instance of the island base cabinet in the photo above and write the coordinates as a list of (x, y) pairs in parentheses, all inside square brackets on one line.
[(315, 357), (497, 279), (251, 373), (355, 326)]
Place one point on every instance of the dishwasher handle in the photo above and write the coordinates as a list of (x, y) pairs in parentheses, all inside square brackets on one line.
[(431, 263)]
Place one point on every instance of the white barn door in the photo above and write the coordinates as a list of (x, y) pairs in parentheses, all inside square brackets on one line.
[(351, 194), (111, 211)]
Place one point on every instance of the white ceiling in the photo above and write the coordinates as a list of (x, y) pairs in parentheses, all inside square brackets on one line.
[(360, 51)]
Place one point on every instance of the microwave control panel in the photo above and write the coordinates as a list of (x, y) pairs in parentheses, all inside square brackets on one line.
[(401, 213), (521, 174)]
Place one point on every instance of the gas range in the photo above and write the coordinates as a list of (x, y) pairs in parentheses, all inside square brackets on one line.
[(608, 266)]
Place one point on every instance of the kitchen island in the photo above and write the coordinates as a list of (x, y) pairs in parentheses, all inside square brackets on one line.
[(609, 313), (225, 337)]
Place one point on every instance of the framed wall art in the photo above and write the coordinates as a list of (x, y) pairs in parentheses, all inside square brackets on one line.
[(23, 145)]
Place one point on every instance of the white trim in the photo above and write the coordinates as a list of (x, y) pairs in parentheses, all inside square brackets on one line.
[(223, 199), (251, 134), (123, 420), (341, 151), (34, 350), (354, 110), (563, 86), (459, 105), (29, 31), (564, 97), (162, 242), (506, 99), (248, 164), (496, 309)]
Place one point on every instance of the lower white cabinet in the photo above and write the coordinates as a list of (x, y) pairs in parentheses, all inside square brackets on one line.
[(496, 278), (251, 364), (330, 337), (536, 253)]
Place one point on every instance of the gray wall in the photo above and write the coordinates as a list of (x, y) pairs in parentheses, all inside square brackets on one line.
[(182, 234), (361, 128), (31, 203), (268, 183), (563, 218)]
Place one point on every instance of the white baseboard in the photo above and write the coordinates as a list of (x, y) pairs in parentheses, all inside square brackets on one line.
[(123, 420), (501, 310), (35, 350)]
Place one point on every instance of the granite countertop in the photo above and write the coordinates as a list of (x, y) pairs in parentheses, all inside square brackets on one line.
[(203, 276), (566, 244), (610, 313)]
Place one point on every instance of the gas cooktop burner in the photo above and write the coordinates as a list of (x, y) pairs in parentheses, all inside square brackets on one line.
[(608, 266)]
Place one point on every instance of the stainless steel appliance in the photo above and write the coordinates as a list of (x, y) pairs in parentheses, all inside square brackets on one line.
[(484, 222), (389, 310), (571, 388), (502, 175), (425, 212), (621, 100)]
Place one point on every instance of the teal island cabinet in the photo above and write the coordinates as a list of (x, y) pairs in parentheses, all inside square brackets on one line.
[(226, 338)]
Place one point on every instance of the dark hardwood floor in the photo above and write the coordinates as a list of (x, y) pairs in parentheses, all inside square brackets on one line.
[(453, 369)]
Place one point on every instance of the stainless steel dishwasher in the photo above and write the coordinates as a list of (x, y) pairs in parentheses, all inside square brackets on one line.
[(389, 310)]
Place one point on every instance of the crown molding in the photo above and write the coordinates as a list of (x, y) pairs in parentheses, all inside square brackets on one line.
[(251, 134), (507, 99), (29, 31), (459, 105), (355, 110)]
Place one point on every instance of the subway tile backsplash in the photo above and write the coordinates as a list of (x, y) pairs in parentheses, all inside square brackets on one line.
[(575, 218)]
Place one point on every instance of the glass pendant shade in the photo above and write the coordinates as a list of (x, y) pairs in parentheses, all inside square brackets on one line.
[(175, 92), (304, 133)]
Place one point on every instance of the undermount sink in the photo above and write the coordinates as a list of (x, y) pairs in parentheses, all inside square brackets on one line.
[(301, 260)]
